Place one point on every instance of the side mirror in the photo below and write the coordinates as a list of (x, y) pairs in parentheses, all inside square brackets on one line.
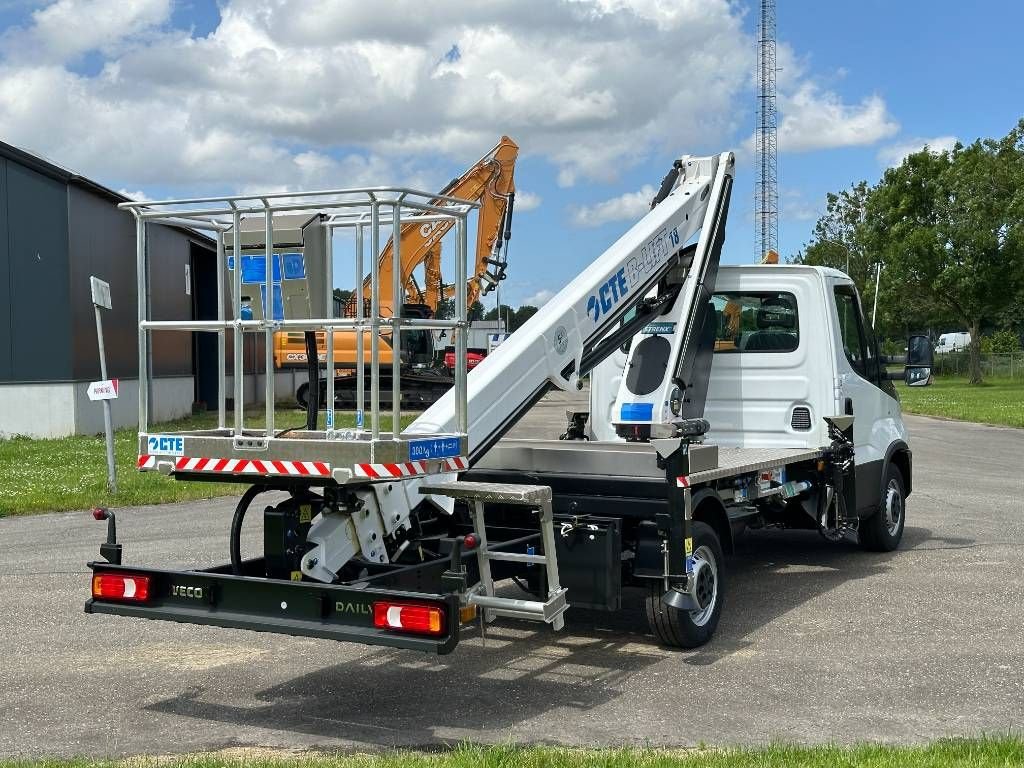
[(920, 357)]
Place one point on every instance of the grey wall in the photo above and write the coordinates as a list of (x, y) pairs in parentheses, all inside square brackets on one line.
[(53, 236), (35, 343), (102, 243), (168, 254), (5, 281)]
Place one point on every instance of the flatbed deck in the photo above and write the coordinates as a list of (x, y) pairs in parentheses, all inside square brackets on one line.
[(632, 460)]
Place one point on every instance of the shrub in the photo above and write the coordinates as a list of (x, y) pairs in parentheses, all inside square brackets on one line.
[(1000, 343)]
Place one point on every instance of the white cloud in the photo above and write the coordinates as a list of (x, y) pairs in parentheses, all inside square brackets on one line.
[(342, 95), (540, 298), (795, 207), (407, 91), (626, 207), (813, 118), (66, 29), (894, 154), (527, 201)]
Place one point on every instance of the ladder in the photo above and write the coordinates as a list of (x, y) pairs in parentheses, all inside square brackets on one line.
[(538, 497)]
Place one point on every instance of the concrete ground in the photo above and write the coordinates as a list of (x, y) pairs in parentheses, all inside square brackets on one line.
[(818, 642)]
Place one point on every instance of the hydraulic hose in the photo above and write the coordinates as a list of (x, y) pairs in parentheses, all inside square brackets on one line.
[(313, 369), (236, 526)]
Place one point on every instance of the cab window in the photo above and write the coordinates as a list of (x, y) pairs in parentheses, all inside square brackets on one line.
[(850, 329), (859, 342), (756, 322)]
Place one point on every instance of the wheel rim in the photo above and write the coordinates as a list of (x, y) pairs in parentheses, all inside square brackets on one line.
[(705, 570), (893, 510)]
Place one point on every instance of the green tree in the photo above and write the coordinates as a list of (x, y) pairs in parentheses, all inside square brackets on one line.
[(507, 313), (840, 238), (523, 314), (445, 308), (950, 228), (1001, 343)]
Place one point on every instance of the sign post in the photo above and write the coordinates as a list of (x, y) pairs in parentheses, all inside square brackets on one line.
[(105, 390)]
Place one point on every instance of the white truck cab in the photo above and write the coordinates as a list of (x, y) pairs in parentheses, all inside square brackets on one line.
[(791, 347)]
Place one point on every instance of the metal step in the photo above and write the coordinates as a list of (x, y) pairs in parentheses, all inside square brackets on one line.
[(534, 496)]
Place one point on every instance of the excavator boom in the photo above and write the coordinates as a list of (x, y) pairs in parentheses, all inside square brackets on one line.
[(491, 182)]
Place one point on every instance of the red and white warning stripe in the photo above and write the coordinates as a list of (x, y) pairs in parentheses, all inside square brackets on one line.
[(243, 466), (456, 464), (385, 471), (682, 481), (302, 468)]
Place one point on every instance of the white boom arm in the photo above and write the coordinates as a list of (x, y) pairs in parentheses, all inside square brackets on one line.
[(553, 340), (548, 349)]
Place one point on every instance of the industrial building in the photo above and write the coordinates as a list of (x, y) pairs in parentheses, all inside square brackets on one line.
[(57, 229)]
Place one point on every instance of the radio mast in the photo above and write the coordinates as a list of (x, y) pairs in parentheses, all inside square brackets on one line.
[(766, 188)]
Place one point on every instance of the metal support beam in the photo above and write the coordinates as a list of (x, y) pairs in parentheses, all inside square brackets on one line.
[(268, 315), (328, 334), (397, 289), (222, 377), (239, 338), (140, 288)]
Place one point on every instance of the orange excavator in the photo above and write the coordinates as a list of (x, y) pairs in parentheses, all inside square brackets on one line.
[(490, 181)]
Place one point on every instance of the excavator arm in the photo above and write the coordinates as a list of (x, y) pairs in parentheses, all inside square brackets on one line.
[(491, 182)]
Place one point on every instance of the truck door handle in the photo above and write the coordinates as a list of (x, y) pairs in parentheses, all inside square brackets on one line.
[(848, 406)]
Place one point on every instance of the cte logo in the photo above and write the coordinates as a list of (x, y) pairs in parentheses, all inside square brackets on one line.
[(608, 295)]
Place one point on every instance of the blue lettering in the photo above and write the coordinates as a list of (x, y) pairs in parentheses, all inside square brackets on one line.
[(608, 295)]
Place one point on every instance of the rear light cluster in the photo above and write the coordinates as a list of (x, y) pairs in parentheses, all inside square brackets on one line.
[(127, 587), (416, 618)]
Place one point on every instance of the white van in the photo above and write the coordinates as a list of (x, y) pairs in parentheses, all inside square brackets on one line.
[(952, 342)]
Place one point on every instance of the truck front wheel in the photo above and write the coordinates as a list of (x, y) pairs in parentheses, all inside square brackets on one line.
[(682, 628), (883, 530)]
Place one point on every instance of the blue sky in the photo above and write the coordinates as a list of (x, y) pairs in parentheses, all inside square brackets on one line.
[(179, 97)]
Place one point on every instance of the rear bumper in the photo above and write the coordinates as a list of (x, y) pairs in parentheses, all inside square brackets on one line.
[(270, 605)]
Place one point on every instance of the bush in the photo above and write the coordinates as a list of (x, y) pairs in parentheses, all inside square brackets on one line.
[(894, 347), (1000, 343)]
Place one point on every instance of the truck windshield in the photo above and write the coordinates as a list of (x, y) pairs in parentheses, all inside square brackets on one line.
[(756, 322)]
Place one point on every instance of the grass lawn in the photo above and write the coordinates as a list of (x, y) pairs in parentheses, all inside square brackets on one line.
[(997, 401), (71, 472), (980, 753)]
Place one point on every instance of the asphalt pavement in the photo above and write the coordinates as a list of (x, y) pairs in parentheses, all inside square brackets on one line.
[(819, 642)]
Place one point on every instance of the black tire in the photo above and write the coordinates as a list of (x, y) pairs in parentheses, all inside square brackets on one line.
[(690, 629), (883, 530)]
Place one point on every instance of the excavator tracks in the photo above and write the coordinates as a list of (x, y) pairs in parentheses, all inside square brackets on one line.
[(419, 391)]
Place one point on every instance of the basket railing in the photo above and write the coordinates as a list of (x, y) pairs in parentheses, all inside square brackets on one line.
[(358, 210)]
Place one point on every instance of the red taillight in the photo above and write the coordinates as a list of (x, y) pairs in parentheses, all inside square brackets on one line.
[(120, 586), (409, 617)]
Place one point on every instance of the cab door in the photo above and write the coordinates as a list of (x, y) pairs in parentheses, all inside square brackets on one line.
[(864, 391)]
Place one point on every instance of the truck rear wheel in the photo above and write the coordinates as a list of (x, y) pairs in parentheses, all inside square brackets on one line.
[(680, 628), (883, 530)]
